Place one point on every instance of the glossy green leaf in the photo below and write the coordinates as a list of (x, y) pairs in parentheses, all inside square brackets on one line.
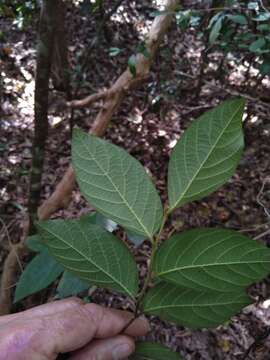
[(91, 253), (192, 308), (116, 184), (42, 271), (70, 285), (207, 154), (153, 351), (215, 259)]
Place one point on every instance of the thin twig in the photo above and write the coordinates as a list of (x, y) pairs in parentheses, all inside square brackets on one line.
[(12, 247), (260, 194), (262, 235), (229, 91)]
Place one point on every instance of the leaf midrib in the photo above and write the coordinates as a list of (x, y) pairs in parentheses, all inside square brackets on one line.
[(92, 262), (119, 193), (204, 161), (160, 307), (208, 265)]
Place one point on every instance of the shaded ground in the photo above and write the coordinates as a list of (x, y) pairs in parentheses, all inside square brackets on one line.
[(147, 125)]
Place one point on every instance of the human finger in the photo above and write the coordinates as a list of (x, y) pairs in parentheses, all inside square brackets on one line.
[(74, 328), (115, 348), (43, 310)]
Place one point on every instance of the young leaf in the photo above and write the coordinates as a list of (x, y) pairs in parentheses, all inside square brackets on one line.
[(70, 285), (192, 308), (207, 154), (91, 253), (38, 274), (153, 351), (212, 259), (116, 184)]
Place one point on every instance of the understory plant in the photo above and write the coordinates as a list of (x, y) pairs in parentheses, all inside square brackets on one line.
[(196, 279)]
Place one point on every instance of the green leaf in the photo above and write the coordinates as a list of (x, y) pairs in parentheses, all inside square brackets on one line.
[(212, 259), (238, 19), (215, 32), (153, 351), (35, 244), (116, 184), (132, 65), (142, 49), (257, 45), (263, 27), (207, 154), (265, 67), (91, 253), (214, 19), (262, 17), (70, 285), (114, 51), (38, 274), (192, 308)]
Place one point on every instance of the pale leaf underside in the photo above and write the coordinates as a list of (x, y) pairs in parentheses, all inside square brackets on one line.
[(207, 154), (91, 253), (116, 184), (191, 308), (212, 259)]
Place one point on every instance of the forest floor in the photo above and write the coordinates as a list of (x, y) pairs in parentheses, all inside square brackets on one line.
[(147, 125)]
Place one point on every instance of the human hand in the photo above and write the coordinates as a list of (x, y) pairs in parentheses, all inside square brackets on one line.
[(86, 331)]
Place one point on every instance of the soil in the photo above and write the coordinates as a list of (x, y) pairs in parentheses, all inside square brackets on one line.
[(147, 125)]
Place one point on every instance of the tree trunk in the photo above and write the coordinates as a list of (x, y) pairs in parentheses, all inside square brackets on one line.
[(60, 65), (44, 58)]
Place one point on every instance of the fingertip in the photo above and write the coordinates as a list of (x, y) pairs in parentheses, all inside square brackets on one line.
[(139, 327), (114, 348)]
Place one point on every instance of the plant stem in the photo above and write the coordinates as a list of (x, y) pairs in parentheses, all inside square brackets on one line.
[(155, 241)]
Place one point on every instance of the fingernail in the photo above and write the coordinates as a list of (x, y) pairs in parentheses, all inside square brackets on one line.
[(121, 351)]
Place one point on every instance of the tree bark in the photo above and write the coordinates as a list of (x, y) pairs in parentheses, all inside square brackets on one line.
[(47, 24), (60, 64), (47, 28)]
